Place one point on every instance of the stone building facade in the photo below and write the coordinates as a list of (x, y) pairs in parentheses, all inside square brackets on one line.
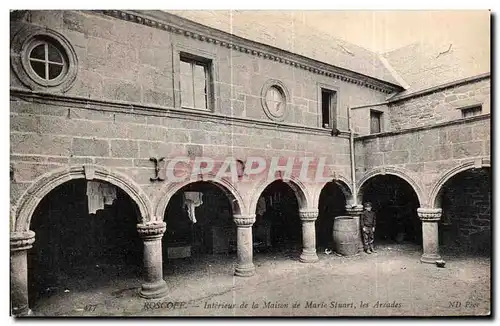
[(112, 95)]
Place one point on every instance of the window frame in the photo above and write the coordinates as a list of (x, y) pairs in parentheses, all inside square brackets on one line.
[(209, 60), (25, 41), (333, 109), (46, 62), (380, 115), (283, 90), (478, 107), (207, 89)]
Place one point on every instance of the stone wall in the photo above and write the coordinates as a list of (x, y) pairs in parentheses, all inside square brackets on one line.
[(127, 61), (121, 109), (440, 106), (466, 202), (424, 154), (48, 136)]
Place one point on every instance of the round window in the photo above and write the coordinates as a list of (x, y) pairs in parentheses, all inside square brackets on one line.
[(47, 61), (43, 59), (274, 99)]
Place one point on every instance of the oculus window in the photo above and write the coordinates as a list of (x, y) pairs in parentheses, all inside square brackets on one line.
[(47, 61), (43, 59)]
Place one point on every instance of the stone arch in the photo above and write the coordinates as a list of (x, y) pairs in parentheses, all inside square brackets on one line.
[(49, 181), (391, 171), (223, 184), (473, 164), (299, 189), (342, 182)]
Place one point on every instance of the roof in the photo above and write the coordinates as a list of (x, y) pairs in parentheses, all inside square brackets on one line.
[(426, 64), (282, 30)]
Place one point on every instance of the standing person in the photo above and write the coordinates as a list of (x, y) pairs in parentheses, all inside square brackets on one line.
[(368, 222)]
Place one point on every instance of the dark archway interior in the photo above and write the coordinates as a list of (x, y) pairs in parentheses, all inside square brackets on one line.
[(465, 225), (395, 204), (277, 222), (214, 231), (332, 203), (75, 250)]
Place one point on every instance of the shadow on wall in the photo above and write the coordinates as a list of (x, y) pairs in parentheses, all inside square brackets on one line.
[(465, 226)]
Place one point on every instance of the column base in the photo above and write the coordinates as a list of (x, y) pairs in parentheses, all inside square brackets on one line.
[(22, 312), (245, 270), (154, 290), (308, 257), (430, 258)]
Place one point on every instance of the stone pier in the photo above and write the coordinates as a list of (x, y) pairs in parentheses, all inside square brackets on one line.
[(20, 242), (430, 237), (154, 286), (245, 266), (308, 218)]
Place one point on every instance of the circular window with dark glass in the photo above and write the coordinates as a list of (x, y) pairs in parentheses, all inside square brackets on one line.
[(47, 61)]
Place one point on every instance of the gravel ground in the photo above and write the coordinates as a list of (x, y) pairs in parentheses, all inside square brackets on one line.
[(391, 282)]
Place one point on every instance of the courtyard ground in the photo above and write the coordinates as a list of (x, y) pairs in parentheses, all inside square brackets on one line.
[(391, 282)]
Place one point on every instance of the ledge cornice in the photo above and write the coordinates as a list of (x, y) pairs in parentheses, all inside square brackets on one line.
[(163, 111), (422, 128), (174, 24)]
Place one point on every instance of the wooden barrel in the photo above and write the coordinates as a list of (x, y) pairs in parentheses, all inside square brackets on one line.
[(345, 235)]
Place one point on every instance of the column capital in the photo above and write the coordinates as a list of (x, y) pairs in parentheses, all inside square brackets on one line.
[(22, 240), (244, 220), (151, 230), (308, 215), (354, 209), (429, 214)]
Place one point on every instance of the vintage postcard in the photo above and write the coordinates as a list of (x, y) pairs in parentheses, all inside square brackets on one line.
[(250, 163)]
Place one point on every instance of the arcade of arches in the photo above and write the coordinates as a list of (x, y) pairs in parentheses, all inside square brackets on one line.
[(200, 220)]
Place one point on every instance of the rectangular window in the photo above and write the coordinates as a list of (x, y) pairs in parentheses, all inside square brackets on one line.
[(328, 108), (375, 122), (195, 83), (471, 112)]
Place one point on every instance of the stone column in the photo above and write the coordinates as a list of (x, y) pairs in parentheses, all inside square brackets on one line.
[(430, 238), (154, 286), (355, 212), (20, 242), (308, 217), (244, 242)]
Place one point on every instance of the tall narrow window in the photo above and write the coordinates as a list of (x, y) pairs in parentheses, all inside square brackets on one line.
[(194, 83), (375, 122), (328, 108), (472, 111)]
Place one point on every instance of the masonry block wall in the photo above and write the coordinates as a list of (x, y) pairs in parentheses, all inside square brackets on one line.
[(122, 110), (428, 136), (466, 201), (440, 106), (426, 153)]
